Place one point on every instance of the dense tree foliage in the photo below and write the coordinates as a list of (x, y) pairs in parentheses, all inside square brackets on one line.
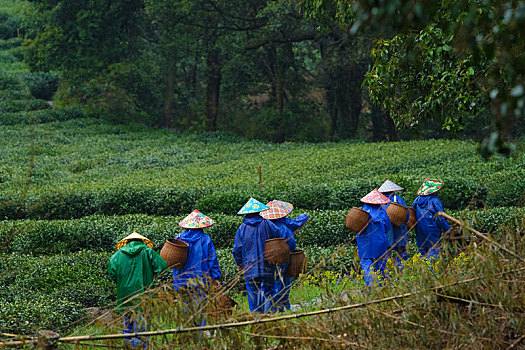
[(279, 70), (451, 59)]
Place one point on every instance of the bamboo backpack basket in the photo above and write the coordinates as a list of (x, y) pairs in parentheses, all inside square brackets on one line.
[(412, 218), (397, 213), (356, 219), (175, 252), (297, 264), (276, 251), (220, 304)]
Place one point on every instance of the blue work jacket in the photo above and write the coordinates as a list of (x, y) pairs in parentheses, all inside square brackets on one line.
[(293, 224), (399, 233), (248, 247), (429, 226), (202, 259), (372, 242)]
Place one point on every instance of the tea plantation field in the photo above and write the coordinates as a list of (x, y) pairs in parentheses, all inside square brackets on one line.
[(71, 187)]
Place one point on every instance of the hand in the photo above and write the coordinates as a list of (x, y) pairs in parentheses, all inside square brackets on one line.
[(217, 284)]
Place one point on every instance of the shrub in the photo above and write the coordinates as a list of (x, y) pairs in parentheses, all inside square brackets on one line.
[(22, 105), (325, 228), (42, 85), (10, 43), (39, 116), (8, 25), (51, 292)]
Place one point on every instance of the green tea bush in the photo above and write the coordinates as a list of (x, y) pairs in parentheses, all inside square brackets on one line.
[(127, 198), (101, 233), (87, 166), (489, 220), (325, 228), (8, 25), (9, 81), (26, 316), (51, 292), (23, 105), (42, 85), (39, 116), (6, 44)]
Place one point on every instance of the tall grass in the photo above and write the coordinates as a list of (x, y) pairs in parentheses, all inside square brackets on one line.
[(473, 298)]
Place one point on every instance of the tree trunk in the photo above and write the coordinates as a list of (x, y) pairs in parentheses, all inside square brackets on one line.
[(168, 96), (214, 62), (342, 82)]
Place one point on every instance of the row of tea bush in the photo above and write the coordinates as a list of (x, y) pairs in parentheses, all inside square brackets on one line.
[(101, 233)]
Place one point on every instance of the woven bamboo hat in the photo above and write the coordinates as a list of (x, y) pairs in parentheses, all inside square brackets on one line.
[(389, 186), (288, 207), (275, 211), (134, 237), (375, 197), (252, 206), (430, 186), (196, 220)]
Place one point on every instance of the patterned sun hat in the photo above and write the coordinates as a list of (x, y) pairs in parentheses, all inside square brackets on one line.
[(430, 186), (196, 220), (389, 186), (288, 207), (375, 197), (252, 206), (134, 237), (275, 211)]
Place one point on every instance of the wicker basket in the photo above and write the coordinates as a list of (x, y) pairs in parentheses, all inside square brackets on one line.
[(297, 264), (412, 218), (276, 251), (356, 219), (220, 304), (175, 252), (397, 214)]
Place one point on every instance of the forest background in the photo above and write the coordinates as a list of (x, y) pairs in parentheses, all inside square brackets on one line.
[(309, 70)]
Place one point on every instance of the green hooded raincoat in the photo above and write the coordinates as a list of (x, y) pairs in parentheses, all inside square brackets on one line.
[(133, 268)]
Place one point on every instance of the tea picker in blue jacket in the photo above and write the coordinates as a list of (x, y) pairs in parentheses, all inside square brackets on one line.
[(277, 214), (429, 226), (248, 253), (372, 243), (397, 235), (202, 265)]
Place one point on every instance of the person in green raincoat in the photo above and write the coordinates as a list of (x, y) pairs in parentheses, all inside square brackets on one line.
[(133, 267)]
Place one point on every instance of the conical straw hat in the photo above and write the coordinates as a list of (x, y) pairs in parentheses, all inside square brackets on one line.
[(389, 186), (196, 220), (430, 186), (252, 206), (134, 237), (288, 207), (375, 197), (275, 211)]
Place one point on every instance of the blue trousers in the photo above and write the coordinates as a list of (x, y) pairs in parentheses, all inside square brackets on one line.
[(401, 251), (130, 327), (367, 265), (432, 253), (260, 290), (281, 290)]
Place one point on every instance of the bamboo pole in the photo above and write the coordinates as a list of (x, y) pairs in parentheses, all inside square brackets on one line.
[(481, 235)]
